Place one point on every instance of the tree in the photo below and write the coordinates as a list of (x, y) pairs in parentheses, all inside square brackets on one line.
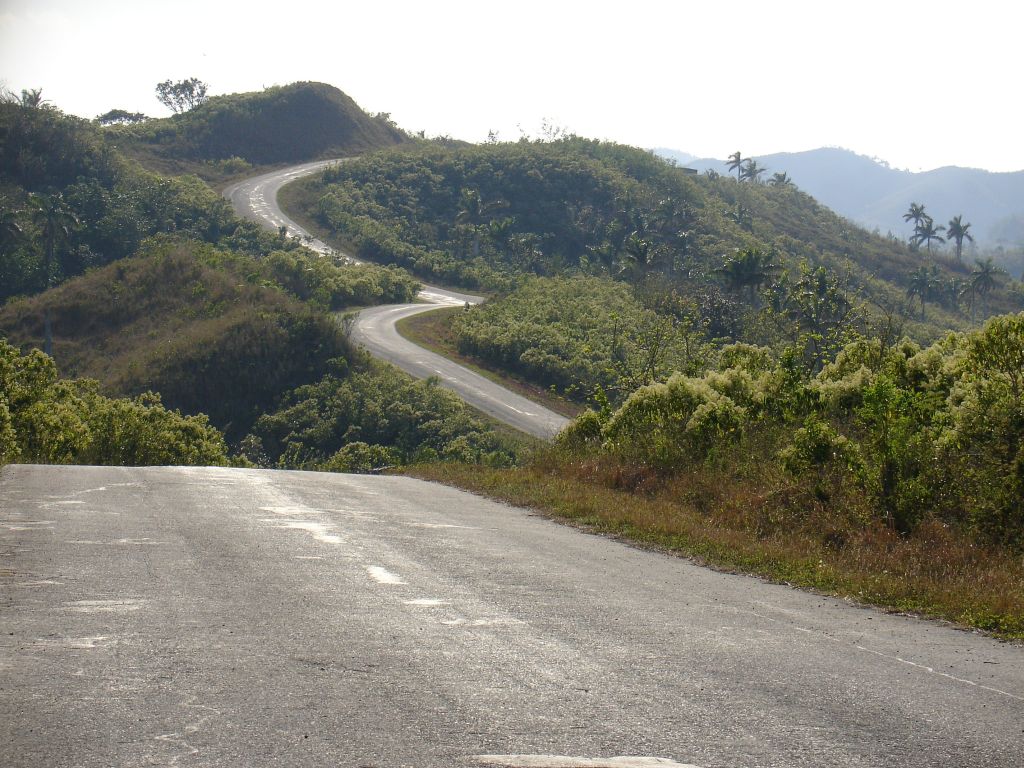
[(915, 214), (748, 269), (922, 284), (474, 212), (735, 163), (56, 223), (10, 228), (33, 98), (984, 279), (637, 255), (926, 232), (120, 117), (780, 180), (181, 96), (957, 232), (751, 170)]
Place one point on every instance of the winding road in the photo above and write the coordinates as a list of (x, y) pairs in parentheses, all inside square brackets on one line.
[(374, 329)]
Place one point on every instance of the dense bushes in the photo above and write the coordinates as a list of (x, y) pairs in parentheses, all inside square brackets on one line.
[(579, 335), (915, 434), (58, 421), (368, 416)]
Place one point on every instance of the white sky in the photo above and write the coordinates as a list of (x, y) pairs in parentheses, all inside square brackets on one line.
[(919, 84)]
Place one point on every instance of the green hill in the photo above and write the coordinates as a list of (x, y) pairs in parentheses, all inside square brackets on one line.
[(282, 124), (487, 216)]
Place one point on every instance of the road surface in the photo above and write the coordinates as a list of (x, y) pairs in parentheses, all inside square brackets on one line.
[(220, 617), (375, 330), (256, 199)]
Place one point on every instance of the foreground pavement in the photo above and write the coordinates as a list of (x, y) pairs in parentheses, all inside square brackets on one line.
[(217, 617)]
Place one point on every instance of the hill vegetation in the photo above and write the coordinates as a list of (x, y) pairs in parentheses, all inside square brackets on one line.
[(486, 216), (282, 124), (70, 202)]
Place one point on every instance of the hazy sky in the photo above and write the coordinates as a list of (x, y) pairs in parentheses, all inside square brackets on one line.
[(919, 84)]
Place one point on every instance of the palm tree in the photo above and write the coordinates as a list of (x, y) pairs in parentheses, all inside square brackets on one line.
[(957, 231), (748, 269), (920, 285), (983, 279), (780, 180), (33, 98), (56, 223), (751, 170), (637, 253), (735, 163), (915, 214), (10, 229), (474, 212), (926, 232)]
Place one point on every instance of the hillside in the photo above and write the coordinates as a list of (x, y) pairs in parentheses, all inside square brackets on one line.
[(488, 216), (876, 195), (282, 124)]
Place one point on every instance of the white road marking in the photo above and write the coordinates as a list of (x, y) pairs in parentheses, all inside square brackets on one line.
[(931, 671), (383, 575), (104, 606), (427, 602), (319, 531), (890, 657), (561, 761), (461, 622), (442, 525)]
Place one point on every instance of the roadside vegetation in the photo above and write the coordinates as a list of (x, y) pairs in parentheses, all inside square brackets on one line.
[(47, 420), (894, 475)]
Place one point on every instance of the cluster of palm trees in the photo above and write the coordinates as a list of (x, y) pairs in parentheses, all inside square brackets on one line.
[(747, 169), (927, 232), (927, 284), (56, 223)]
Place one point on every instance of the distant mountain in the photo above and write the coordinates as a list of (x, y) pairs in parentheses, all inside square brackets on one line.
[(680, 158), (873, 194)]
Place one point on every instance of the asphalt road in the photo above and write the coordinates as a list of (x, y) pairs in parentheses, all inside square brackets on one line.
[(216, 617), (256, 199), (375, 330)]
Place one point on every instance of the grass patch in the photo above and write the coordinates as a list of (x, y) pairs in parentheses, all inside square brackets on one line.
[(432, 330), (725, 519)]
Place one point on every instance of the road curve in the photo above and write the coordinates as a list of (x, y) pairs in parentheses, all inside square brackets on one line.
[(256, 199), (221, 617), (376, 331)]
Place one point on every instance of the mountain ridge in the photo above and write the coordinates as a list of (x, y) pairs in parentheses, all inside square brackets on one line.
[(874, 194)]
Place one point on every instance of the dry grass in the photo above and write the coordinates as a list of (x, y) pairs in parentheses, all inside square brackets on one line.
[(768, 526)]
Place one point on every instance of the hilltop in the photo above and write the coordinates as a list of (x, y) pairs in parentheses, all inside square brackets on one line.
[(876, 195), (283, 124)]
